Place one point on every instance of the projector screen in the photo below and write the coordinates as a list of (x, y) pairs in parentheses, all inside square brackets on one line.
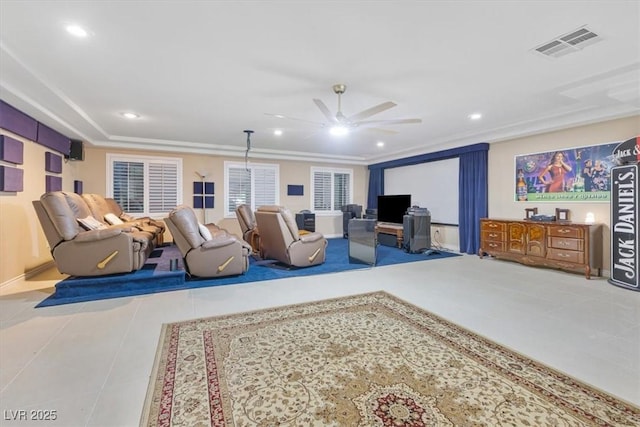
[(432, 185)]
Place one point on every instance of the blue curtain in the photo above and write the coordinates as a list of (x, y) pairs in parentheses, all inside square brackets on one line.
[(376, 187), (473, 198)]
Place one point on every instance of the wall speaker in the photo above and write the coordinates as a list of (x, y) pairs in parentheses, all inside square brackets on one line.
[(77, 150)]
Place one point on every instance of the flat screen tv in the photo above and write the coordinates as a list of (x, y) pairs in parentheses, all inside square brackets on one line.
[(393, 207)]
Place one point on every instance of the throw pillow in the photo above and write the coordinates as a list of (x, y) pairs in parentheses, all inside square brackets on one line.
[(113, 219), (90, 223), (204, 232)]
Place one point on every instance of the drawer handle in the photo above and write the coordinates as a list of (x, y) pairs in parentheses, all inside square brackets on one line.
[(493, 235), (561, 255), (492, 225), (561, 243), (493, 245), (564, 230)]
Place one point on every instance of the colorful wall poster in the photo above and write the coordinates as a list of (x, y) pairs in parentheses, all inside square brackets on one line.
[(579, 174)]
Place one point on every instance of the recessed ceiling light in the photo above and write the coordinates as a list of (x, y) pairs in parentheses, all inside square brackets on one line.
[(338, 131), (77, 31), (380, 144), (475, 116), (277, 132), (129, 115)]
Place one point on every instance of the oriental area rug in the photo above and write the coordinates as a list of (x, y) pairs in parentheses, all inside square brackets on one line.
[(366, 360)]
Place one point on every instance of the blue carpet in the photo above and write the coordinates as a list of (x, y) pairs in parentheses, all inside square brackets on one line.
[(156, 277)]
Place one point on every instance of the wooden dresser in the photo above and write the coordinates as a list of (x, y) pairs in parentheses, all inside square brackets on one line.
[(565, 245)]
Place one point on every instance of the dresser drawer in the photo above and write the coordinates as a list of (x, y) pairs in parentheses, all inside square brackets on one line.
[(566, 243), (494, 246), (493, 226), (566, 231), (564, 255), (493, 236)]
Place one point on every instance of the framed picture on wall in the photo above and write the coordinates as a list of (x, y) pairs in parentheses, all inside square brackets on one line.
[(579, 174)]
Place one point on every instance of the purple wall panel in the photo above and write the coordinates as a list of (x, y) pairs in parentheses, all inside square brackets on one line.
[(53, 183), (11, 150), (53, 139), (11, 179), (52, 162), (18, 122)]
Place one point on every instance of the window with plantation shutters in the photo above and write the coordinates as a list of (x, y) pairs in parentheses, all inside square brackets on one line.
[(128, 185), (163, 187), (331, 189), (253, 184), (145, 185), (322, 191)]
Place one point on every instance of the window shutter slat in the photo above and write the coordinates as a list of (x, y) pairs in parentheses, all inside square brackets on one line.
[(128, 185)]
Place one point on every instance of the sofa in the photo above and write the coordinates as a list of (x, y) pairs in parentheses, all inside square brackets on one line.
[(107, 210), (82, 245), (207, 250), (281, 240)]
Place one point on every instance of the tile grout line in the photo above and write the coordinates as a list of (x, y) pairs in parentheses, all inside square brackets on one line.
[(113, 362)]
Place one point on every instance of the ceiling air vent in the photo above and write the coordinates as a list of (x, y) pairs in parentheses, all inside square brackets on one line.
[(568, 43)]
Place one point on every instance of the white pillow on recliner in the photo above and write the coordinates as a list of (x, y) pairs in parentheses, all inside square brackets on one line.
[(90, 223), (204, 232), (113, 219)]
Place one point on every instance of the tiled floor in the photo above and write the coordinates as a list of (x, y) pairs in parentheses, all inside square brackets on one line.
[(90, 362)]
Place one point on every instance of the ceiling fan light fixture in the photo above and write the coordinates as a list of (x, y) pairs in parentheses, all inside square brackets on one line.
[(339, 130), (129, 115), (76, 30)]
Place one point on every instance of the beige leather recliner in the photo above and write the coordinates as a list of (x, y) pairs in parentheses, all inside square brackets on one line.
[(102, 206), (222, 255), (248, 226), (281, 240), (80, 252)]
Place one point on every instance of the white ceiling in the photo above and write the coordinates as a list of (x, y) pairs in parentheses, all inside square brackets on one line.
[(200, 72)]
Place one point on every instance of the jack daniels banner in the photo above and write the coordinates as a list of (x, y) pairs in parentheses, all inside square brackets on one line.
[(625, 254)]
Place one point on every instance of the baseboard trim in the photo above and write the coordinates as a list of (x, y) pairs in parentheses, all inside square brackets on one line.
[(29, 274)]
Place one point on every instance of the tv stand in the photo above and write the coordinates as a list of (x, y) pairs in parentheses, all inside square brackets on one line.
[(392, 229)]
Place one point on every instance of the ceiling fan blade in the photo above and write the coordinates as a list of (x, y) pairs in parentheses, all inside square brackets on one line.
[(282, 116), (368, 123), (371, 111), (321, 105)]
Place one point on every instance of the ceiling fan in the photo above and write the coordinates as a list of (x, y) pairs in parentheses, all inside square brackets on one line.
[(340, 124)]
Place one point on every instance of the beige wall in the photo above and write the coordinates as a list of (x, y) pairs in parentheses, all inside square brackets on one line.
[(22, 242), (23, 246), (502, 203), (93, 172)]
